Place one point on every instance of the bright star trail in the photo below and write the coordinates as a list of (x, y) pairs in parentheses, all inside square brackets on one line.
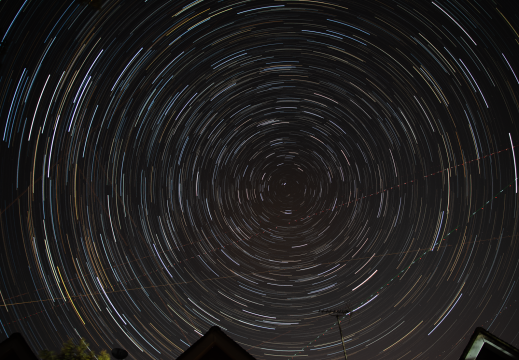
[(171, 166)]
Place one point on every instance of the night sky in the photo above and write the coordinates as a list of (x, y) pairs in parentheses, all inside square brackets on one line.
[(171, 166)]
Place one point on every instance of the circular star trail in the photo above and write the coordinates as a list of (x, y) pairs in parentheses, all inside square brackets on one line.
[(172, 166)]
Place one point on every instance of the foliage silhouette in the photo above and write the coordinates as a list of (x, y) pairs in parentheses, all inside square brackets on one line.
[(71, 351)]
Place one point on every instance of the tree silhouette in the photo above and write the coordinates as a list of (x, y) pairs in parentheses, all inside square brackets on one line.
[(71, 351)]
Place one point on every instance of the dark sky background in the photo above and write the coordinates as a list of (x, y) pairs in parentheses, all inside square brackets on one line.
[(171, 166)]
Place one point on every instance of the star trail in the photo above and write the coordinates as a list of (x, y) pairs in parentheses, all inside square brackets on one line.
[(168, 166)]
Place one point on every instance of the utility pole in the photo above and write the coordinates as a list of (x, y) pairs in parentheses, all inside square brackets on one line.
[(338, 313)]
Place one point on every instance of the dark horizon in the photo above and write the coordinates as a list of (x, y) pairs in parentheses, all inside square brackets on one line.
[(171, 166)]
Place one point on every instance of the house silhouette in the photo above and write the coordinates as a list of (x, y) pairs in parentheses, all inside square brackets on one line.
[(16, 348), (215, 345), (483, 345)]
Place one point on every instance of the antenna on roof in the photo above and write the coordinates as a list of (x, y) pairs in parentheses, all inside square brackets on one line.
[(337, 313)]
